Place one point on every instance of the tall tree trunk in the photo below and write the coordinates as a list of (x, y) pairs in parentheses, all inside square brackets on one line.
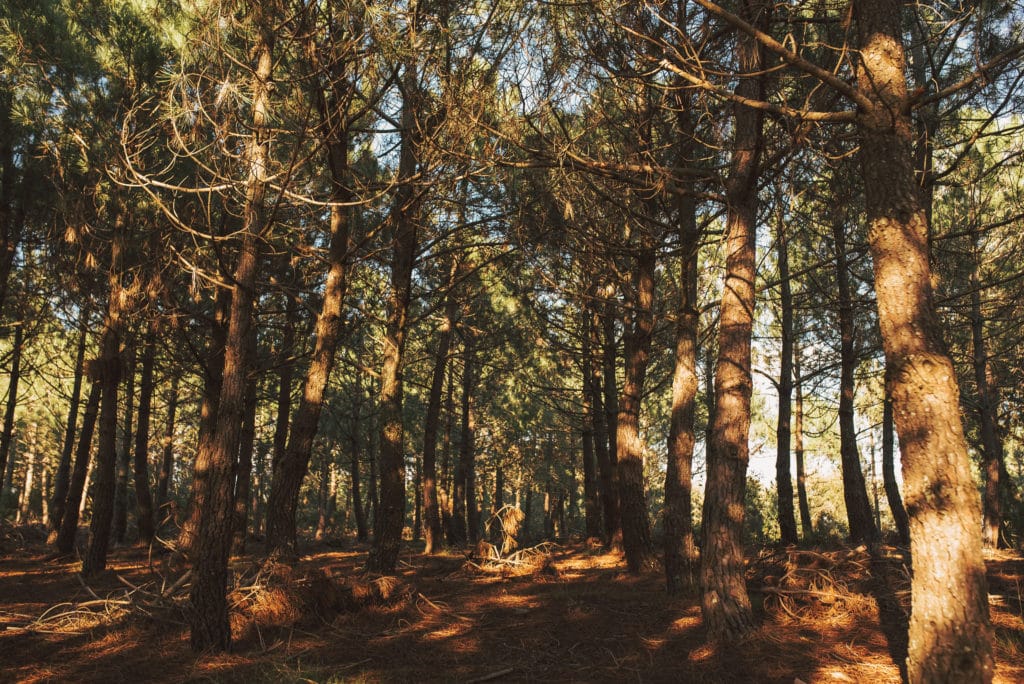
[(988, 405), (290, 471), (31, 461), (7, 438), (246, 445), (285, 373), (591, 500), (855, 493), (783, 433), (467, 445), (166, 475), (110, 362), (892, 490), (613, 522), (606, 470), (680, 547), (119, 525), (76, 487), (215, 467), (143, 497), (950, 638), (403, 222), (63, 476), (432, 421), (724, 602), (357, 502), (806, 524), (639, 324)]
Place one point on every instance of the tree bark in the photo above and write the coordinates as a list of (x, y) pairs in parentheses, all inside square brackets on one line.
[(246, 446), (110, 361), (467, 444), (680, 547), (210, 629), (63, 476), (950, 638), (606, 470), (76, 487), (163, 483), (609, 346), (357, 501), (7, 438), (855, 493), (119, 525), (783, 434), (724, 601), (143, 497), (806, 524)]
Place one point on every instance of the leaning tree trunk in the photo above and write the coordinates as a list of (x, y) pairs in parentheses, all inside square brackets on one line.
[(950, 638), (724, 601), (783, 433), (143, 497), (63, 476), (110, 361), (210, 629), (290, 470), (855, 493), (76, 487), (680, 546)]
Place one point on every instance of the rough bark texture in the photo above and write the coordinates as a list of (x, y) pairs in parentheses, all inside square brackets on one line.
[(855, 493), (680, 547), (404, 219), (724, 601), (636, 529), (605, 467), (72, 506), (110, 361), (290, 470), (950, 638), (783, 433), (143, 497), (63, 476), (215, 467)]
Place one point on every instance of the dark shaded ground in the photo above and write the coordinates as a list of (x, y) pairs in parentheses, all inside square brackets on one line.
[(574, 617)]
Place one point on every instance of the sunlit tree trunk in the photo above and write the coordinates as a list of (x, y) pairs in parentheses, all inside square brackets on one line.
[(724, 601), (110, 362), (950, 638), (680, 546), (208, 616)]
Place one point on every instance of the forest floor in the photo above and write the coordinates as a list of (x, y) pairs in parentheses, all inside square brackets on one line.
[(563, 613)]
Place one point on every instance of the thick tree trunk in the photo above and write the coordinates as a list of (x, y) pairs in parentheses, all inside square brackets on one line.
[(63, 476), (76, 487), (783, 433), (724, 602), (143, 497), (636, 529), (950, 638), (215, 467), (110, 362), (7, 438), (680, 546), (119, 525)]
